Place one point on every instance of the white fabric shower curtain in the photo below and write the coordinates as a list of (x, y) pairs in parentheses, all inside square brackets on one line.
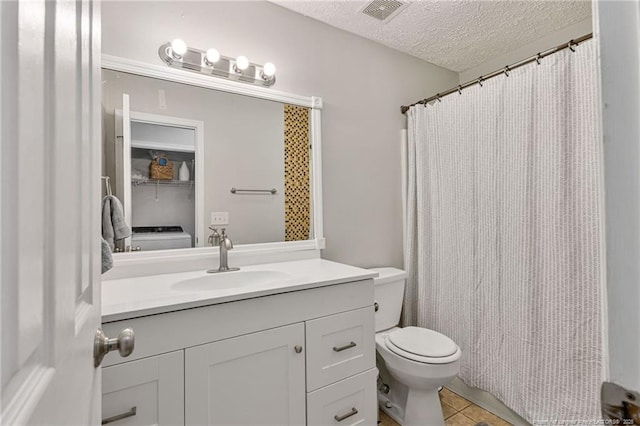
[(504, 234)]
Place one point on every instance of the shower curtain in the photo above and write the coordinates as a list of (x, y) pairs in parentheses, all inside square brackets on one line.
[(504, 235)]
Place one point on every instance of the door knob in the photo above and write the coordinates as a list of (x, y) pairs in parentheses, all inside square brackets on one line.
[(102, 345)]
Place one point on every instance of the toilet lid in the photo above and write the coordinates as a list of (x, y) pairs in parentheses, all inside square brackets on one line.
[(423, 342)]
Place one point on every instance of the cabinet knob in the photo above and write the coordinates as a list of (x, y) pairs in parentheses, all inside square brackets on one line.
[(376, 306), (298, 349), (102, 345)]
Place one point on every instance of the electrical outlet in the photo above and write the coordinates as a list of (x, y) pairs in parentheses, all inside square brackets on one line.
[(219, 218)]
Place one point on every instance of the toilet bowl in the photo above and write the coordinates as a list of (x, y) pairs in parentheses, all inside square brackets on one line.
[(414, 362)]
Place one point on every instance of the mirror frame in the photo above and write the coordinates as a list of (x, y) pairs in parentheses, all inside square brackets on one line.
[(132, 259)]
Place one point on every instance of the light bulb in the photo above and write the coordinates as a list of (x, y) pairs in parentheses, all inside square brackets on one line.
[(242, 63), (268, 70), (212, 57), (178, 47)]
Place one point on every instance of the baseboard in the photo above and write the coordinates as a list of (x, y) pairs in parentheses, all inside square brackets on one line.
[(487, 401)]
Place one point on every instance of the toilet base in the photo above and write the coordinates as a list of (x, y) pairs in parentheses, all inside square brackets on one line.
[(423, 408), (408, 406)]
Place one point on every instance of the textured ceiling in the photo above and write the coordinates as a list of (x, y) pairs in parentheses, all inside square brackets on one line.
[(457, 35)]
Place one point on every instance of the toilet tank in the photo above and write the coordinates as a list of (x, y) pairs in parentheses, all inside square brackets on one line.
[(388, 294)]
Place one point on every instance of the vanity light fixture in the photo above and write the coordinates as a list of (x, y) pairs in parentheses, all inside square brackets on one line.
[(178, 48), (210, 62), (241, 64), (268, 71), (211, 57)]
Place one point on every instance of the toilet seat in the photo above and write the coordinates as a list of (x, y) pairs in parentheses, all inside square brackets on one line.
[(423, 345)]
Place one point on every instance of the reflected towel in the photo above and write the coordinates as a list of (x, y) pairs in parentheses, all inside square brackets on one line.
[(114, 227), (107, 259)]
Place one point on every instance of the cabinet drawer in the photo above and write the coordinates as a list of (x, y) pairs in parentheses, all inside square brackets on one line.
[(339, 346), (148, 391), (349, 402)]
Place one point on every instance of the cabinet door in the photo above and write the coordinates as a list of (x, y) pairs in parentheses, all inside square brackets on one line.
[(149, 391), (255, 379)]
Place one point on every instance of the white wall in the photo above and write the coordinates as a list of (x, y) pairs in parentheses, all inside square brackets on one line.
[(619, 34), (549, 41), (243, 148), (361, 82)]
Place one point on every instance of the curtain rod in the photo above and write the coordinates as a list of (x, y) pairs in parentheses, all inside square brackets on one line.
[(504, 70)]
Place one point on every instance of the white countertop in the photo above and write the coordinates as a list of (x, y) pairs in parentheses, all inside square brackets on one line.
[(154, 294)]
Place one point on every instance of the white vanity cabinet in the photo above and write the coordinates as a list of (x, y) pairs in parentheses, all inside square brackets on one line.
[(149, 391), (253, 379), (294, 358)]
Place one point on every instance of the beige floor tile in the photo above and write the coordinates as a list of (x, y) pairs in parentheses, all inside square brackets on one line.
[(386, 420), (453, 399), (459, 420), (447, 410), (479, 414)]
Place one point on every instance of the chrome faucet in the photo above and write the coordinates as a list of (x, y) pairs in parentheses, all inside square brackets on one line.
[(225, 245)]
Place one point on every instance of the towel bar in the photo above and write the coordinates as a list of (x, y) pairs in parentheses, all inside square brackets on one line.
[(271, 191)]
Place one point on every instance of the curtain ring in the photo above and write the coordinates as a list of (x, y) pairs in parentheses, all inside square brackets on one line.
[(570, 45), (480, 80), (506, 70), (438, 97), (424, 101), (460, 89), (538, 57)]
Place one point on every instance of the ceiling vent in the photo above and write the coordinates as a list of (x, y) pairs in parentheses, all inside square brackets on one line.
[(384, 10)]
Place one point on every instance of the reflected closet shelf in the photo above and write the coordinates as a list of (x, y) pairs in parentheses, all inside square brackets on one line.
[(136, 182)]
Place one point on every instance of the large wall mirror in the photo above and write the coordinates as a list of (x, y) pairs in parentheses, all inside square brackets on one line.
[(184, 159)]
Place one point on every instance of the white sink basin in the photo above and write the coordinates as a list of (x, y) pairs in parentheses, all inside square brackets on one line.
[(226, 280)]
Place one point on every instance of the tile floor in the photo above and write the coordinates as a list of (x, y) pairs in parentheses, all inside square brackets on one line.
[(458, 411)]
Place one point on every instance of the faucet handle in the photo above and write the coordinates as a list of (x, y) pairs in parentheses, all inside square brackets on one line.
[(214, 238), (224, 239)]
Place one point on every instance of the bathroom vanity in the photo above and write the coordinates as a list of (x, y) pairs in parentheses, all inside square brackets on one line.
[(288, 343), (283, 343)]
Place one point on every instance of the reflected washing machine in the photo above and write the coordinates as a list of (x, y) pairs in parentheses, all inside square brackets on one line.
[(159, 238)]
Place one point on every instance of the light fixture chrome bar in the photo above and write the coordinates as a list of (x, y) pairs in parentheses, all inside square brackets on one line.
[(225, 67)]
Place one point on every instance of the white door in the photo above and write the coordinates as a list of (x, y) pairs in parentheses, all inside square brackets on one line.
[(123, 160), (255, 379), (49, 193)]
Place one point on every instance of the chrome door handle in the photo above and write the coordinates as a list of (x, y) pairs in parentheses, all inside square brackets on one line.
[(102, 345), (342, 348), (117, 417), (353, 412)]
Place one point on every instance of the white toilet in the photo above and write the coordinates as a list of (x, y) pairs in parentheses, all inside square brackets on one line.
[(413, 361)]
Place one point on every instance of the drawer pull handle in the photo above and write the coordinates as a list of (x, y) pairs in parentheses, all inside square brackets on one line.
[(342, 348), (129, 413), (353, 412)]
